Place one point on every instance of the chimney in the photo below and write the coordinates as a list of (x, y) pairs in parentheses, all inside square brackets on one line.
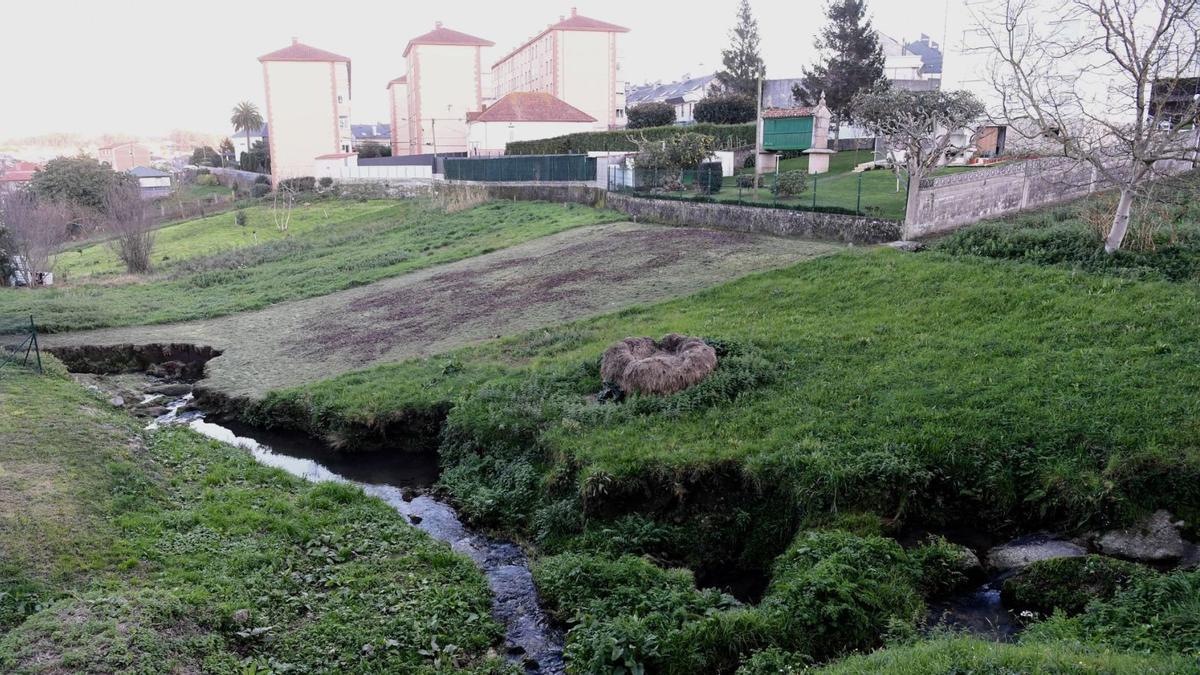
[(574, 11), (437, 24), (295, 40)]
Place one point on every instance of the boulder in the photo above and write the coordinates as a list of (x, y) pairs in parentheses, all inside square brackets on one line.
[(1191, 559), (117, 402), (1154, 540), (1018, 553), (170, 389)]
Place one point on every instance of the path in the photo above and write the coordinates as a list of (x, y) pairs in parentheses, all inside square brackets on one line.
[(570, 275)]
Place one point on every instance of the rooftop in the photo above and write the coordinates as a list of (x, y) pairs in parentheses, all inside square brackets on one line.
[(528, 106), (662, 92), (147, 172), (337, 155), (444, 36), (576, 22), (298, 51), (806, 111)]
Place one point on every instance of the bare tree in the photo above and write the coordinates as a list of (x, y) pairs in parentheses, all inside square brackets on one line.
[(281, 206), (920, 129), (36, 229), (1107, 82), (134, 230)]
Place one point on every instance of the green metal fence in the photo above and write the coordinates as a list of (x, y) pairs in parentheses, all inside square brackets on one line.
[(874, 194), (523, 168), (19, 342)]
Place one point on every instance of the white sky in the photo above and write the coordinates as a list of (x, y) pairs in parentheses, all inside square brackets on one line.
[(118, 66)]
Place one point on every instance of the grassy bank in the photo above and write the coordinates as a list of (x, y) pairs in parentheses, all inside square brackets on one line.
[(125, 551), (214, 272)]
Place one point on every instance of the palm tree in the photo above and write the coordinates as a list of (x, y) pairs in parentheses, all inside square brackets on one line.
[(246, 118)]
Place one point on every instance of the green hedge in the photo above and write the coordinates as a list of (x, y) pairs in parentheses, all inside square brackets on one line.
[(727, 135)]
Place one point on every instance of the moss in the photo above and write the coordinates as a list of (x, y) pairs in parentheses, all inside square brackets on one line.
[(1069, 584)]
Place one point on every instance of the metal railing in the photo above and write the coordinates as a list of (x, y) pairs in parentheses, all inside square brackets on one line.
[(19, 341)]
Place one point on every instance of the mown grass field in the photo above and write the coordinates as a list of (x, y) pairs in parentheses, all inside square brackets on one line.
[(215, 270), (128, 551)]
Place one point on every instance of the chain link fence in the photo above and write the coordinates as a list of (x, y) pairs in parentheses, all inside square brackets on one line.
[(19, 343)]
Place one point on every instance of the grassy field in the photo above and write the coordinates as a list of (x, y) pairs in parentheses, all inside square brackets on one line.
[(365, 243), (127, 551)]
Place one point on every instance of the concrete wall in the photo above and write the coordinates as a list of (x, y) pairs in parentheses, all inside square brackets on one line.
[(949, 202)]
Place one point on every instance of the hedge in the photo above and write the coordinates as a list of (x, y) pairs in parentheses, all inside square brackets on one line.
[(727, 135)]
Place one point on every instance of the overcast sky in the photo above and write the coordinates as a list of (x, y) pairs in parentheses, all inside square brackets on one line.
[(94, 66)]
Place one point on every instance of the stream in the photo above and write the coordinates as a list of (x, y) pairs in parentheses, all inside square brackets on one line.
[(530, 638)]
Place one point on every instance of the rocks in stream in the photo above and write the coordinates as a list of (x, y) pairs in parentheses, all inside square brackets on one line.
[(1155, 539), (1022, 551), (117, 402), (170, 389)]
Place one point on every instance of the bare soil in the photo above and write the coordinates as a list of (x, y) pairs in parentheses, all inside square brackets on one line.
[(571, 275)]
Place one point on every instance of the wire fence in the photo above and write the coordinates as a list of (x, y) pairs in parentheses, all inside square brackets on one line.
[(19, 343), (875, 194)]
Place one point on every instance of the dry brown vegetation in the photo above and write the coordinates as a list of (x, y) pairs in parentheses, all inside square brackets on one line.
[(641, 365)]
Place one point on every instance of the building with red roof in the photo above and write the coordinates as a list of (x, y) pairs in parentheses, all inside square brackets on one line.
[(398, 105), (523, 116), (17, 175), (576, 60), (308, 107)]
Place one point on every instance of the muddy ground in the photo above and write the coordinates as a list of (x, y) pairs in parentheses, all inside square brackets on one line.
[(571, 275)]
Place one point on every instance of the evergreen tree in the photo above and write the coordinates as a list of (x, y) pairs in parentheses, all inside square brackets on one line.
[(852, 60), (743, 64)]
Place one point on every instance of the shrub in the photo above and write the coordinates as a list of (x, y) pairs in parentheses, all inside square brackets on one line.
[(945, 567), (262, 180), (746, 180), (726, 109), (299, 184), (774, 661), (726, 135), (791, 183), (207, 180), (260, 190), (203, 171), (239, 218), (645, 115), (1069, 584), (709, 179), (325, 181)]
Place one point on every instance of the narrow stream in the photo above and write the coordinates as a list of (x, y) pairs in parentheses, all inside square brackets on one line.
[(530, 638)]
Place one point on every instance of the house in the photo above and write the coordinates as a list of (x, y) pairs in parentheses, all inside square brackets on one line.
[(308, 107), (124, 156), (523, 116), (17, 175), (576, 60), (239, 139), (443, 83), (683, 95), (152, 182), (398, 105)]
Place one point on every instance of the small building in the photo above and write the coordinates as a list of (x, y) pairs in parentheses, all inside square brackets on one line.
[(576, 60), (16, 176), (803, 128), (152, 182), (443, 83), (525, 116), (308, 107), (124, 156)]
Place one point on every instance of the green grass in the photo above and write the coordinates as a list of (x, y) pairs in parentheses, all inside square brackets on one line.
[(125, 553), (371, 241)]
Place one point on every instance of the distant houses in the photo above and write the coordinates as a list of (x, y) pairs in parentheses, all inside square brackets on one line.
[(682, 95), (240, 145), (124, 156), (16, 175)]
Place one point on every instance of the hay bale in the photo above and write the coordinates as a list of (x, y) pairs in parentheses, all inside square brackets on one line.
[(639, 364)]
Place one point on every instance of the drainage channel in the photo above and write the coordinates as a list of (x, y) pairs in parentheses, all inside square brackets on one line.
[(530, 637)]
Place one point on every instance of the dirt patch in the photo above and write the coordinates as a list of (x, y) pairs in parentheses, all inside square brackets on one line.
[(571, 275)]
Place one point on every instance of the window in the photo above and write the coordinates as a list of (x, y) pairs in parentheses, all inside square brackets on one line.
[(620, 112), (343, 121), (340, 98)]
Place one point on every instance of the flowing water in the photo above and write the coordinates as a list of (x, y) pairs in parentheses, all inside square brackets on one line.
[(393, 477)]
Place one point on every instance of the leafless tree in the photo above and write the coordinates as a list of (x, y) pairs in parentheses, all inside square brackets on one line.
[(281, 206), (1105, 82), (36, 230), (133, 228)]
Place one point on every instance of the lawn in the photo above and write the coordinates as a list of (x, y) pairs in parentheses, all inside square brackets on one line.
[(131, 551), (208, 275)]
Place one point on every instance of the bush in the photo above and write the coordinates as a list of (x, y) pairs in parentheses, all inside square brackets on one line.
[(646, 115), (726, 109), (1069, 584), (709, 179), (945, 567), (203, 171), (791, 183), (325, 181), (260, 190), (262, 180), (299, 184), (726, 135), (207, 180), (746, 180)]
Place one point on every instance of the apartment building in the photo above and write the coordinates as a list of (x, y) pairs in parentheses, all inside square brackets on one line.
[(308, 107), (397, 91), (124, 156), (576, 60), (442, 84)]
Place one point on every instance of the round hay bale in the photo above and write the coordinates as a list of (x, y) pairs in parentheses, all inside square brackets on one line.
[(639, 364)]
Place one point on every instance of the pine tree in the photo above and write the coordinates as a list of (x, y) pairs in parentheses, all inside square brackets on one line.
[(852, 60), (743, 64)]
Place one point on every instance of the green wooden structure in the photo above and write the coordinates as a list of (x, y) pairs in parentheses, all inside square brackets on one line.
[(522, 168), (787, 133)]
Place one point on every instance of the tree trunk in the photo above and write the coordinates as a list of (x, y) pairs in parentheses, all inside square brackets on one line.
[(1120, 224), (911, 210)]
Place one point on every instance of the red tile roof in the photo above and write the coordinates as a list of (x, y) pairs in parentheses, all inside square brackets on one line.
[(532, 106), (789, 112), (403, 79), (337, 155), (573, 22), (299, 51), (445, 36), (16, 176)]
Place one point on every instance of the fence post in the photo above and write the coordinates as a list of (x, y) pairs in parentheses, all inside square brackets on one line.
[(858, 199), (37, 350), (814, 192)]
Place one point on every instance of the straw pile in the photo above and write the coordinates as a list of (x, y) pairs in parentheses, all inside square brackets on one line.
[(639, 364)]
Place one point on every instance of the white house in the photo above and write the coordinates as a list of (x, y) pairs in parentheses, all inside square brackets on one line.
[(524, 116), (153, 183), (239, 139), (682, 95)]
